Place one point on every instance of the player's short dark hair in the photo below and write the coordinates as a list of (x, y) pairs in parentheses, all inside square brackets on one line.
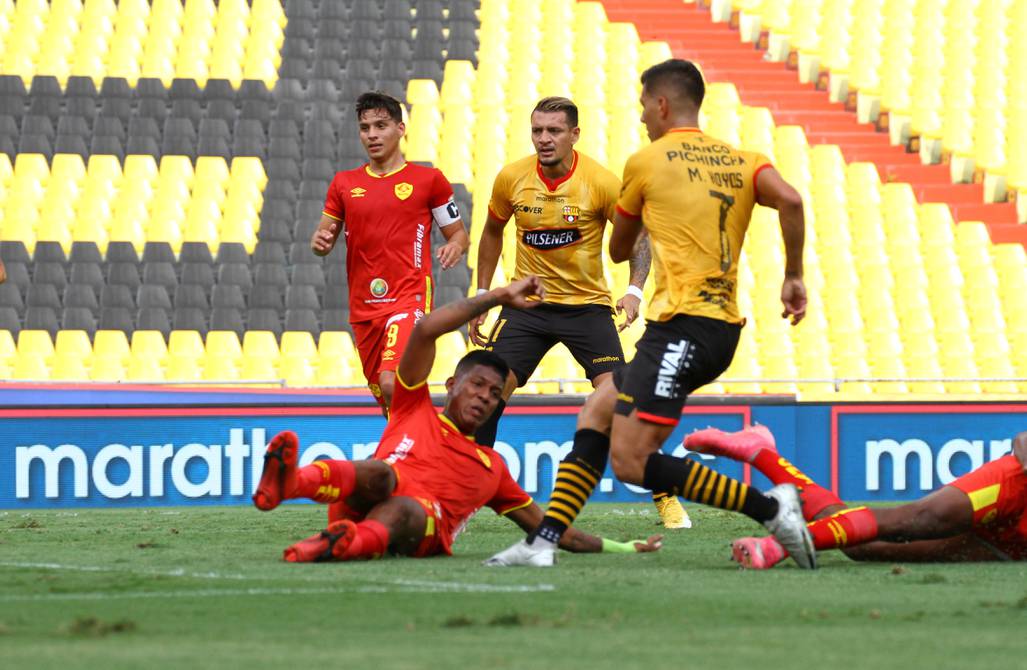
[(482, 357), (681, 76), (555, 103), (379, 100)]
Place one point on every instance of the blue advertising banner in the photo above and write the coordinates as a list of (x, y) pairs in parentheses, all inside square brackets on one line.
[(102, 457)]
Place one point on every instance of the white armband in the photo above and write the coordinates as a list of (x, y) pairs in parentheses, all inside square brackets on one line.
[(481, 291), (634, 290), (446, 214)]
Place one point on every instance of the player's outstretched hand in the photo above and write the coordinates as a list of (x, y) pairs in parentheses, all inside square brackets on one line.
[(474, 330), (324, 239), (448, 254), (1020, 449), (524, 293), (628, 305), (793, 297), (653, 543)]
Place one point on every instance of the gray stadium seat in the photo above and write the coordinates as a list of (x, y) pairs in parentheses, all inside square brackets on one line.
[(152, 318), (191, 295), (42, 318), (227, 296), (153, 296), (43, 295), (50, 273), (116, 318), (232, 252), (9, 320), (162, 274), (122, 252), (117, 295), (264, 319), (88, 274), (10, 296), (227, 318), (85, 252), (80, 295), (267, 296), (126, 274), (190, 318), (79, 318)]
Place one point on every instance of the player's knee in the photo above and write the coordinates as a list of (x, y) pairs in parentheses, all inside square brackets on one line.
[(380, 482), (628, 465), (597, 412)]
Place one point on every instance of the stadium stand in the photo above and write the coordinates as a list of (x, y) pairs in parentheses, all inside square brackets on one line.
[(191, 164)]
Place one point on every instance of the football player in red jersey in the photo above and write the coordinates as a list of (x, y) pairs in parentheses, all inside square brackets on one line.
[(386, 209), (428, 476), (981, 516)]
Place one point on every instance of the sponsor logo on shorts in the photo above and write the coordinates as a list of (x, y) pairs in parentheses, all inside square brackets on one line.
[(379, 287), (357, 192), (675, 359), (551, 238), (403, 190), (376, 390), (389, 355), (571, 213), (606, 359), (418, 315)]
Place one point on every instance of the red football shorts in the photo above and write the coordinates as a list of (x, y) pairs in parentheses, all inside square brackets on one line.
[(380, 344), (998, 493), (437, 532)]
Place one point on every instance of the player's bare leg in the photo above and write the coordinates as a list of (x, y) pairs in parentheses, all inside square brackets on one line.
[(386, 384), (397, 523), (635, 450), (938, 522)]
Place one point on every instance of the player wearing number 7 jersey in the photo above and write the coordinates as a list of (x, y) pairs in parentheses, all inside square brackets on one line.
[(386, 209), (694, 194)]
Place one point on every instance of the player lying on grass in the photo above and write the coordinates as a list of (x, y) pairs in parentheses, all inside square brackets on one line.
[(981, 516), (428, 476)]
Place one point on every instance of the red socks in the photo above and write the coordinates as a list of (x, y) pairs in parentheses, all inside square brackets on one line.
[(325, 481), (844, 529), (371, 541), (815, 498)]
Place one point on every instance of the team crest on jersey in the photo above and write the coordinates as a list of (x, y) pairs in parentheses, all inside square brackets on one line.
[(571, 213), (379, 287), (484, 458), (404, 190), (357, 192)]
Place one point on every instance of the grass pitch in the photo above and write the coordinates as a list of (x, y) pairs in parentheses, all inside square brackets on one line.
[(205, 587)]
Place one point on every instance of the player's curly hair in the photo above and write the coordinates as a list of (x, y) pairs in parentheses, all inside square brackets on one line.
[(482, 357), (379, 100), (681, 76)]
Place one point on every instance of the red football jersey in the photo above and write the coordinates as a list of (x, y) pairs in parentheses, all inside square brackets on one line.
[(433, 458), (387, 223)]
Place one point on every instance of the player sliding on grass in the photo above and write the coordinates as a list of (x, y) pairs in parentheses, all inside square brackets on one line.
[(428, 477), (981, 516)]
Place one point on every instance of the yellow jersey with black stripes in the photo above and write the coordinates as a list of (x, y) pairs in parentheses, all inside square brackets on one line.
[(560, 225), (694, 195)]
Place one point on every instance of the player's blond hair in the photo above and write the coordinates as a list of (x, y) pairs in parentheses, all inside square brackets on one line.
[(555, 103)]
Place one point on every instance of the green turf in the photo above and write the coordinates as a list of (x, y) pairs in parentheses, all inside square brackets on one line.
[(204, 587)]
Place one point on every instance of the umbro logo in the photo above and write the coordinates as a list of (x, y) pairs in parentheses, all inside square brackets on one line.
[(357, 192)]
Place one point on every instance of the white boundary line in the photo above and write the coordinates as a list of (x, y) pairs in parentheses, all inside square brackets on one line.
[(390, 586)]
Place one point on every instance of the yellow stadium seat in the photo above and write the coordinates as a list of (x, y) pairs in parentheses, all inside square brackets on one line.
[(107, 369), (298, 343), (222, 345), (74, 344), (297, 371), (185, 344), (69, 368), (336, 371), (111, 344), (30, 368), (260, 343), (258, 368), (149, 343), (35, 343), (8, 349), (144, 370), (220, 370), (182, 369)]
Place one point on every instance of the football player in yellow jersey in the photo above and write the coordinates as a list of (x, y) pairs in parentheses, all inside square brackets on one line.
[(560, 200), (694, 195)]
